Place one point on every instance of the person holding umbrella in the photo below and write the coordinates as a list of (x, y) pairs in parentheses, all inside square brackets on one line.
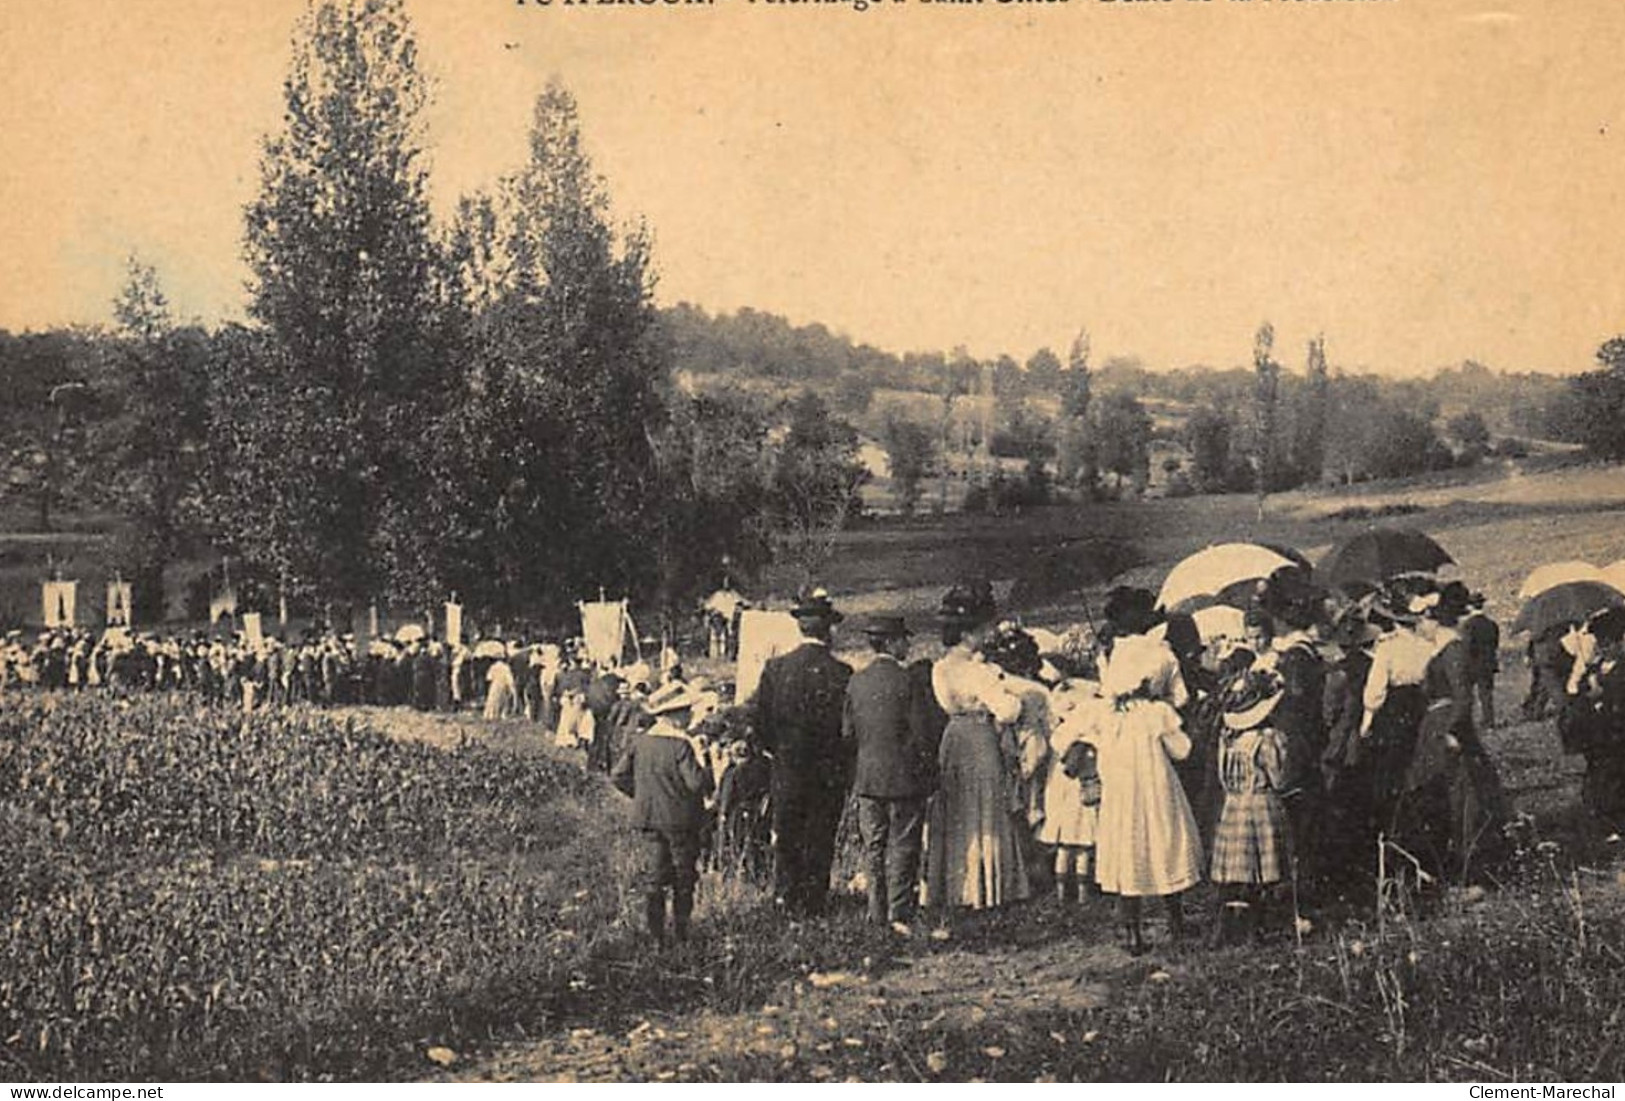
[(1451, 804), (1393, 700)]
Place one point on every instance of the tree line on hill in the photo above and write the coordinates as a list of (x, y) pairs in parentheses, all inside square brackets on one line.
[(492, 407), (416, 409), (1096, 428)]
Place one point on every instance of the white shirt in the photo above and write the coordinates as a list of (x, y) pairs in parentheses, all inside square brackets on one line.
[(1399, 658), (964, 682)]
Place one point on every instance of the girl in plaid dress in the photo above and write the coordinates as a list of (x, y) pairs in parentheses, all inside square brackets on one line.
[(1252, 845)]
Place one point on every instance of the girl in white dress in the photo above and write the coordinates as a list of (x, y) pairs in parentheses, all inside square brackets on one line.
[(1147, 839), (1072, 786), (974, 854)]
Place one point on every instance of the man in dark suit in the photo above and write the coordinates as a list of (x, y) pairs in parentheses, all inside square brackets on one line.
[(797, 718), (602, 692), (1483, 636), (887, 722)]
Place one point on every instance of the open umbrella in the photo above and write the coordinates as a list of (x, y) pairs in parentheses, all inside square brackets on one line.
[(1372, 557), (1209, 572), (411, 632), (1557, 573), (490, 648), (1568, 603), (1291, 552)]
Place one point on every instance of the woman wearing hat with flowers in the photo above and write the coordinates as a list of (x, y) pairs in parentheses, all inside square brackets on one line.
[(974, 853), (1252, 846)]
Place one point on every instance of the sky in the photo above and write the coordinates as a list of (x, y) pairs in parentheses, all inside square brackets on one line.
[(1423, 181)]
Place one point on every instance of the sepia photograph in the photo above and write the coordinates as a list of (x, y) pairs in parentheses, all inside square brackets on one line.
[(851, 541)]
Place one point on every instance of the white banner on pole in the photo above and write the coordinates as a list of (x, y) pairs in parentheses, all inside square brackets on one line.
[(454, 624), (762, 635), (118, 604), (223, 603), (253, 632), (60, 601), (603, 629)]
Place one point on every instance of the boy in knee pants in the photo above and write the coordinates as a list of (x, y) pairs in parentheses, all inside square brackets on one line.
[(668, 784)]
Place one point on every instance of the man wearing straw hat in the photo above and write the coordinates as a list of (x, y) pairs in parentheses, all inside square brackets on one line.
[(668, 785)]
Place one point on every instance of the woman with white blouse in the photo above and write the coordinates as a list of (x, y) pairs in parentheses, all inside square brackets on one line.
[(974, 845)]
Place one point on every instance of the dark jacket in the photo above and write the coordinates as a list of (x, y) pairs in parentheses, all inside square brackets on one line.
[(667, 783), (1483, 638), (602, 692), (886, 723), (1300, 716), (797, 714)]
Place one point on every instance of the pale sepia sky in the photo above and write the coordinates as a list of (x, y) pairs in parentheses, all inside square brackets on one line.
[(1422, 180)]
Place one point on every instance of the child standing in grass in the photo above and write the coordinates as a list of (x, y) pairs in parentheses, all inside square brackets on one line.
[(1072, 788), (662, 773), (1252, 848)]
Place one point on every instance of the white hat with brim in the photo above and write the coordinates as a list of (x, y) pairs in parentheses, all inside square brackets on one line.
[(689, 699), (681, 700), (1254, 715)]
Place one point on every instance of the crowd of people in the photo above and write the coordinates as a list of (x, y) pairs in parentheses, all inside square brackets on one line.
[(504, 679), (1290, 760), (1289, 753)]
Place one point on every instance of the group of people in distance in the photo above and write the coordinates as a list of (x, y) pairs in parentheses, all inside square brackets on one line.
[(1283, 760)]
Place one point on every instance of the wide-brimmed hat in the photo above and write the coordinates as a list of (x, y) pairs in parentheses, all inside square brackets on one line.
[(664, 703), (886, 626), (1291, 597), (1455, 600), (1013, 650), (816, 604), (968, 603), (1252, 700)]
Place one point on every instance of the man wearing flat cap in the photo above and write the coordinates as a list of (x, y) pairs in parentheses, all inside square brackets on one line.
[(887, 724), (797, 718)]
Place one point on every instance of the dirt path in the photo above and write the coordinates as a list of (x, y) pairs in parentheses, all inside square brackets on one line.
[(809, 1023)]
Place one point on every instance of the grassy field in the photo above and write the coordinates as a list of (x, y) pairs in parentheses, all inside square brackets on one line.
[(381, 895), (1498, 523)]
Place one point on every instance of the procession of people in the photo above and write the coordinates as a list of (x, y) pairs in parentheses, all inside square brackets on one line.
[(1290, 736)]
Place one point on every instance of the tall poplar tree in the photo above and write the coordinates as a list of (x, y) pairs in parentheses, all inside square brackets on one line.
[(1266, 395), (322, 466), (153, 438), (1309, 415), (553, 475)]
